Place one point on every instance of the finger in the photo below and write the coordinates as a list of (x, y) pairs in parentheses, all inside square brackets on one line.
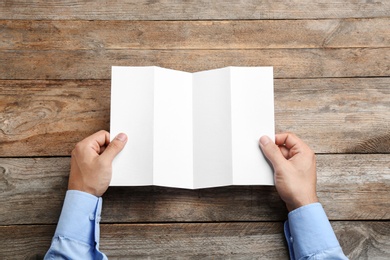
[(113, 148), (271, 151), (284, 151), (102, 148), (91, 145), (289, 140), (102, 138)]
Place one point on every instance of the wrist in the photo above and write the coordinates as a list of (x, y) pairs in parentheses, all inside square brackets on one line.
[(83, 188), (301, 202)]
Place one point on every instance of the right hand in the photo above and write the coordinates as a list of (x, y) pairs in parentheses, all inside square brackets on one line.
[(295, 169)]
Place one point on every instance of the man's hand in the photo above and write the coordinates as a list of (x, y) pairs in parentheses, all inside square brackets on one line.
[(91, 163), (295, 169)]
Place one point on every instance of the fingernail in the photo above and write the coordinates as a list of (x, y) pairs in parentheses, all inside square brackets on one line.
[(264, 140), (121, 137)]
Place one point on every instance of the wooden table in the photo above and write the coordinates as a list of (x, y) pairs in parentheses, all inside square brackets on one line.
[(332, 88)]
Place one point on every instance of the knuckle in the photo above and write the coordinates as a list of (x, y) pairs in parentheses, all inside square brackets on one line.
[(78, 149), (102, 132), (73, 153), (75, 150), (289, 133)]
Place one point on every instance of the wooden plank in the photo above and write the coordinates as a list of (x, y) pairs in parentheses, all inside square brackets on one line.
[(206, 241), (288, 63), (190, 10), (349, 186), (336, 115), (25, 242), (274, 34), (359, 240), (332, 115), (60, 113), (364, 240), (354, 186)]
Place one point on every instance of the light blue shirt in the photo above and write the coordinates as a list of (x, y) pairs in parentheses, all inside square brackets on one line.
[(308, 232), (77, 234)]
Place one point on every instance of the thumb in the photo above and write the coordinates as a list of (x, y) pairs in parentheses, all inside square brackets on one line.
[(115, 146), (271, 151)]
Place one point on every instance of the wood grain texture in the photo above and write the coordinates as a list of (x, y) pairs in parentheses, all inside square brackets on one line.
[(195, 241), (190, 10), (349, 186), (25, 242), (199, 35), (287, 63), (359, 240), (50, 117), (364, 240), (336, 115), (249, 240), (332, 67), (331, 115)]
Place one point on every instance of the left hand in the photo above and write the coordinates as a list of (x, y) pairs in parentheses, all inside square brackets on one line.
[(91, 163)]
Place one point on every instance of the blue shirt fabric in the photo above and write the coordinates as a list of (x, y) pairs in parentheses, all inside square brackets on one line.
[(309, 234), (77, 233), (308, 231)]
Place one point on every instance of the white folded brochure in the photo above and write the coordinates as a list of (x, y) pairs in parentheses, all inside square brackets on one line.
[(192, 130)]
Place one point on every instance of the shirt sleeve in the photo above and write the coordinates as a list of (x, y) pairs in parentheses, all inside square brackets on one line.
[(309, 234), (77, 233)]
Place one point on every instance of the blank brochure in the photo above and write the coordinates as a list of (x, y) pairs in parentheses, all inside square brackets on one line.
[(192, 130)]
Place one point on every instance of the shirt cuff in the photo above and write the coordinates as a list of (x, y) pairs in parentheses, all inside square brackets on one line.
[(80, 217), (308, 231)]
